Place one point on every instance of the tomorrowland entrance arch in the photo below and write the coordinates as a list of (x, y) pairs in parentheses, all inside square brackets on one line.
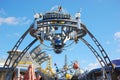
[(58, 27)]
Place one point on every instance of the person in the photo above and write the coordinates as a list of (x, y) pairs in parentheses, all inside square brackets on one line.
[(21, 76), (14, 75), (118, 77), (56, 78)]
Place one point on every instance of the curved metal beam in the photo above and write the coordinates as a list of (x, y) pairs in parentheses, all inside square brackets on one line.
[(101, 49), (10, 57), (15, 63), (99, 58), (104, 59)]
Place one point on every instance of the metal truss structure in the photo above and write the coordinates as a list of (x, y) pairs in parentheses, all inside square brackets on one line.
[(58, 27)]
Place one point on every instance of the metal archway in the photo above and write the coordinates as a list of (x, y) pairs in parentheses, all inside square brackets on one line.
[(8, 63), (104, 60), (58, 27)]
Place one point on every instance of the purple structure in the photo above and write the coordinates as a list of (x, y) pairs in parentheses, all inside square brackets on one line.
[(116, 62)]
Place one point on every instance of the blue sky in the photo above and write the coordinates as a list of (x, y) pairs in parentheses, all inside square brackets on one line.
[(102, 18)]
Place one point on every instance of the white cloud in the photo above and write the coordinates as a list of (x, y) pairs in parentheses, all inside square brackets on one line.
[(9, 20), (14, 21), (2, 61), (93, 66), (13, 35), (3, 56), (117, 36)]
